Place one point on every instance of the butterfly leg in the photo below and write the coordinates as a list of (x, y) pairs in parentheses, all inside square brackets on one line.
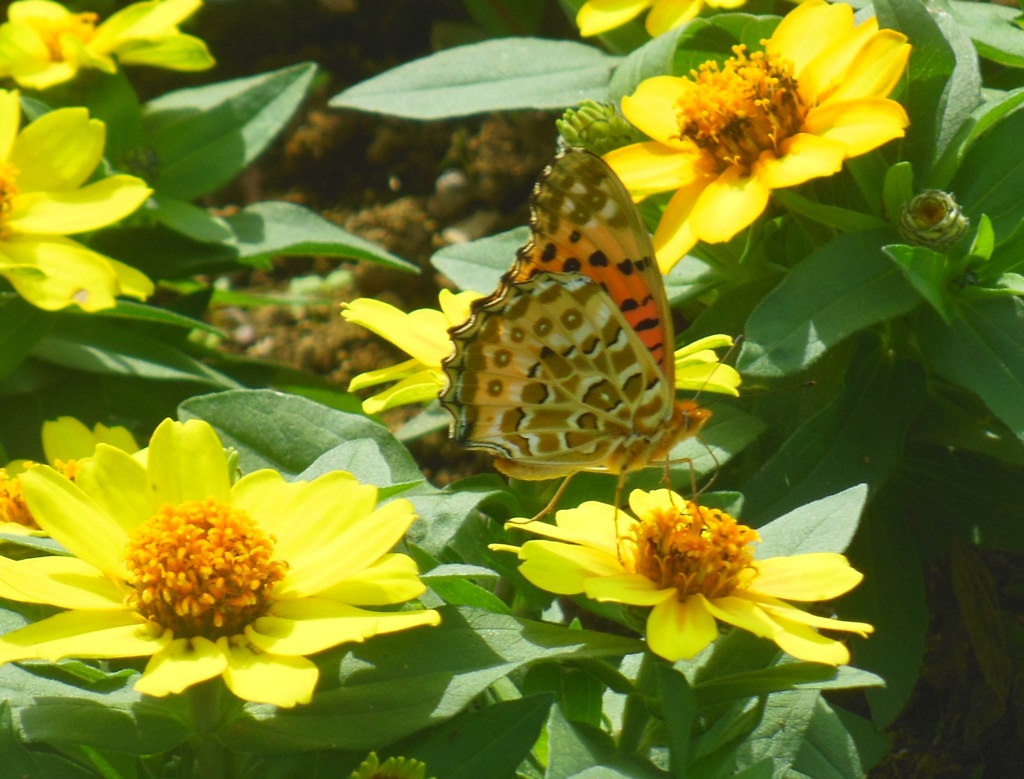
[(551, 503)]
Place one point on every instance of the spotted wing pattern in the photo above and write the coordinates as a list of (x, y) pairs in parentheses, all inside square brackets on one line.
[(567, 366)]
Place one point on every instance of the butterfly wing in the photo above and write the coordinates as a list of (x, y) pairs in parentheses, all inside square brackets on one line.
[(584, 221), (549, 376)]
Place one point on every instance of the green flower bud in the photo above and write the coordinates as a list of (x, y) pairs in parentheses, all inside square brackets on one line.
[(392, 768), (597, 127), (933, 219)]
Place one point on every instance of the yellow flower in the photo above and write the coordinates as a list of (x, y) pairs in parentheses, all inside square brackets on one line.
[(173, 562), (727, 136), (692, 565), (422, 333), (598, 16), (43, 43), (66, 444), (42, 199), (698, 368)]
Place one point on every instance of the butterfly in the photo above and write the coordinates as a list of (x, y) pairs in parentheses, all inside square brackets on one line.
[(568, 366)]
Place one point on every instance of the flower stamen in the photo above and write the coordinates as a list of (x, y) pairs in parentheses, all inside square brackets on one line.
[(12, 502), (693, 549), (202, 568), (737, 110)]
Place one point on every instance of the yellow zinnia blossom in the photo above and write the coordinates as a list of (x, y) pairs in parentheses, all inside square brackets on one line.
[(43, 43), (598, 16), (66, 444), (692, 566), (208, 578), (42, 199), (727, 136), (422, 333)]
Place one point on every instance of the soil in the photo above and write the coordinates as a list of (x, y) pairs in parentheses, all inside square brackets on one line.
[(413, 187)]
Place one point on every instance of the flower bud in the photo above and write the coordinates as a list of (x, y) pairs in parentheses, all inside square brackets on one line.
[(597, 127), (933, 219)]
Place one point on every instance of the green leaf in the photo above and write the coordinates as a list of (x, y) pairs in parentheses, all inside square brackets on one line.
[(396, 684), (828, 748), (780, 734), (825, 525), (994, 30), (886, 552), (945, 85), (491, 741), (982, 350), (50, 711), (578, 751), (478, 265), (843, 287), (990, 179), (927, 270), (783, 676), (497, 75), (842, 219), (856, 439), (189, 220), (680, 715), (22, 325), (204, 136), (980, 120), (94, 346), (111, 99), (898, 188), (130, 311), (294, 435), (265, 230)]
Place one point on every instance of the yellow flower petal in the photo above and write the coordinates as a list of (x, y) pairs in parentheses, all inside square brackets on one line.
[(187, 462), (71, 518), (742, 613), (310, 625), (402, 370), (10, 120), (66, 438), (675, 235), (58, 151), (421, 387), (83, 633), (394, 578), (804, 157), (727, 205), (709, 377), (66, 582), (827, 70), (184, 53), (598, 16), (679, 631), (563, 568), (806, 577), (118, 485), (422, 333), (860, 125), (877, 69), (457, 307), (76, 211), (668, 14), (592, 524), (280, 681), (350, 552), (777, 609), (806, 644), (144, 21), (182, 663), (55, 272), (633, 589), (808, 30)]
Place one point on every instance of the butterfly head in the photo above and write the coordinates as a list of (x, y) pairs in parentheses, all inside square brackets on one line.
[(689, 417)]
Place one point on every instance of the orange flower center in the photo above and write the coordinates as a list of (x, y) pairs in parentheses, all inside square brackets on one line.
[(12, 502), (738, 110), (201, 569), (693, 549), (52, 31)]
